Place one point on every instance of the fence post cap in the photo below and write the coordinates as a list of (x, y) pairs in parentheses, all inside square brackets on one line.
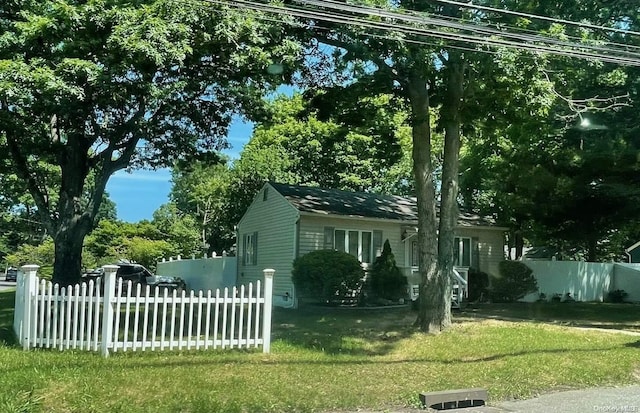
[(29, 267), (111, 267), (268, 272)]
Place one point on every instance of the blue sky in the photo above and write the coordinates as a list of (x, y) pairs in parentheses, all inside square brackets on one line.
[(138, 194)]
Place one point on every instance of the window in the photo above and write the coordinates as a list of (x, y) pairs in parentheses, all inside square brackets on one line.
[(462, 252), (364, 245), (250, 247), (415, 254), (357, 243)]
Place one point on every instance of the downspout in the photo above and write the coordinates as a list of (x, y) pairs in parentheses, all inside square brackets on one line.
[(296, 249)]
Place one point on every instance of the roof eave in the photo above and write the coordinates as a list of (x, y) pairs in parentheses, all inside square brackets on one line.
[(357, 217), (399, 221)]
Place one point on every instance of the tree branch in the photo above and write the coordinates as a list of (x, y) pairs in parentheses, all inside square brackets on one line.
[(23, 171), (350, 48), (593, 104)]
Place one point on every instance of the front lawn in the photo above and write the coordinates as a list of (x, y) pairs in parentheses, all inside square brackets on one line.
[(600, 315), (321, 360)]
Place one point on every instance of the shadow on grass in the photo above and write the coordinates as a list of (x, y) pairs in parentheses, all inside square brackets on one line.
[(217, 359), (635, 344), (203, 359), (352, 331), (586, 315)]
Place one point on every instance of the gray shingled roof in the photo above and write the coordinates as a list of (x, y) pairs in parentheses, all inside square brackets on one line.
[(361, 204)]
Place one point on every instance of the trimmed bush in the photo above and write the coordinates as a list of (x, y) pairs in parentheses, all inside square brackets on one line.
[(327, 274), (616, 296), (478, 285), (516, 280), (387, 280)]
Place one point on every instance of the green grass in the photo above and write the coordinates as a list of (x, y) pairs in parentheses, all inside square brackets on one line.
[(322, 360), (600, 315)]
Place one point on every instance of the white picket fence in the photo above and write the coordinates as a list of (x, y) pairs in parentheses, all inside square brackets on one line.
[(83, 317)]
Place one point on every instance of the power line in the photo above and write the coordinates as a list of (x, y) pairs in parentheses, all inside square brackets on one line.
[(583, 51), (453, 23), (538, 17), (371, 34), (334, 5), (502, 26)]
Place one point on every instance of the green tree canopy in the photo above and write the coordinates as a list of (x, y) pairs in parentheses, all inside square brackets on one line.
[(95, 87)]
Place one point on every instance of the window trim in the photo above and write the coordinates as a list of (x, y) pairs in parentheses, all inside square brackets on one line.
[(459, 260), (250, 249), (372, 252)]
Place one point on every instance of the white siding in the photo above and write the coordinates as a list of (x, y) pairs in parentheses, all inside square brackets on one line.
[(274, 222), (490, 247), (490, 241), (312, 232)]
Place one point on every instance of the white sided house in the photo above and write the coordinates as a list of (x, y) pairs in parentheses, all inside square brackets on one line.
[(287, 221)]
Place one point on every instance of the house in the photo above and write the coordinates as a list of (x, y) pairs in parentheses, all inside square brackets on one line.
[(287, 221), (633, 252)]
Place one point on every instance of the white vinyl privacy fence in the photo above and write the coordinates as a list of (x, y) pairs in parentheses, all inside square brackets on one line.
[(585, 281), (120, 317)]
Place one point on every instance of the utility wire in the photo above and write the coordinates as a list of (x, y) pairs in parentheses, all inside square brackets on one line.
[(337, 6), (446, 35), (538, 17), (619, 57), (315, 25), (449, 22), (506, 28)]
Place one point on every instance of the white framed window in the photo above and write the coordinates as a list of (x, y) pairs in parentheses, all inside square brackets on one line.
[(250, 247), (364, 245), (415, 254), (462, 252), (357, 243)]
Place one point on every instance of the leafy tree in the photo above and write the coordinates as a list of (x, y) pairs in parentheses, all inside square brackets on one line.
[(180, 229), (145, 242), (351, 150), (96, 87), (413, 74), (201, 189), (147, 252), (41, 254), (555, 179), (451, 76), (293, 143)]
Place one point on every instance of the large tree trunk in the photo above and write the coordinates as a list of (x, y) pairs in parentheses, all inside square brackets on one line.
[(67, 266), (74, 220), (431, 304), (449, 193)]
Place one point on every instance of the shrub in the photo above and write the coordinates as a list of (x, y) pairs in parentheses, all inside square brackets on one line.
[(387, 280), (516, 280), (327, 274), (616, 296), (42, 255), (478, 285)]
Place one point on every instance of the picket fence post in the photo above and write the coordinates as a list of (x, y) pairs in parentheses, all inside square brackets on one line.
[(107, 308), (30, 288), (268, 300)]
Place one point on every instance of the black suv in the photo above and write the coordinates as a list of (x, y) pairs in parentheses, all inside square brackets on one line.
[(138, 274), (11, 274)]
